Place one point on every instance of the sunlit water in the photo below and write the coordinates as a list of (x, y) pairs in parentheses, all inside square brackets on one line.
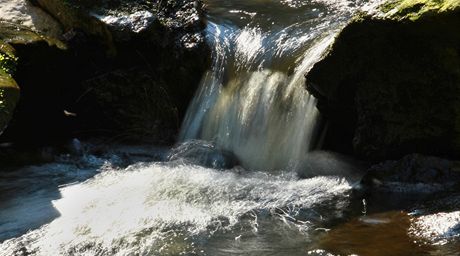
[(222, 196), (252, 101), (161, 208)]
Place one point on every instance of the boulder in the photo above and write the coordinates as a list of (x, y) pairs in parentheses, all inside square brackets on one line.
[(20, 23), (9, 90), (119, 69), (390, 84), (11, 35), (414, 174), (119, 21)]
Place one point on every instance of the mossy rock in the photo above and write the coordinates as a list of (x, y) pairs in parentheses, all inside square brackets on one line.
[(9, 90), (11, 36), (393, 80), (416, 9)]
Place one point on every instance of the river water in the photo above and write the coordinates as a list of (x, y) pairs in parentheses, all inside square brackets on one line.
[(232, 185)]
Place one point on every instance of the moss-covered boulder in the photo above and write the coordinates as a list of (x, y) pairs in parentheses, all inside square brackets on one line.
[(9, 90), (18, 28), (390, 84)]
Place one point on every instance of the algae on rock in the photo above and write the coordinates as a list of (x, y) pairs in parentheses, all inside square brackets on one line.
[(393, 79), (415, 9), (9, 90)]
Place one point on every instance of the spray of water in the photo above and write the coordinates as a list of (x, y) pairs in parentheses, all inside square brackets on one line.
[(253, 102), (162, 209)]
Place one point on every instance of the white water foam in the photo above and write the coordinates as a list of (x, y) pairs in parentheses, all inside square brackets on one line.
[(149, 208)]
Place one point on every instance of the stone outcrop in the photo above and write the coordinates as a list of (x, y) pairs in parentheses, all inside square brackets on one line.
[(24, 14), (390, 84), (125, 70)]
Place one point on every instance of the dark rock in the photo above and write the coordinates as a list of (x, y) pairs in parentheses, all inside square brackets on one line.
[(414, 173), (134, 102), (113, 22), (330, 163), (121, 69), (390, 84)]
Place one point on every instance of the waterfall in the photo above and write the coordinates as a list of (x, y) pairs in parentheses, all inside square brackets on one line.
[(252, 101), (251, 104)]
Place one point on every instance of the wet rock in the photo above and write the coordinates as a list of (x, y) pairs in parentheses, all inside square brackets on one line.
[(439, 229), (120, 21), (414, 174), (390, 84), (204, 154)]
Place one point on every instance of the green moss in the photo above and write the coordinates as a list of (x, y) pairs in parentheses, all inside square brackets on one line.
[(9, 95), (9, 90), (415, 9), (7, 63)]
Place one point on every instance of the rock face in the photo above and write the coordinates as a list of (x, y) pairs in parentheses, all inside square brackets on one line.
[(25, 14), (390, 84), (125, 70)]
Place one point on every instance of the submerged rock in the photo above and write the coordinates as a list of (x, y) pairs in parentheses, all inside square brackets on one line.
[(203, 153), (414, 174), (390, 84)]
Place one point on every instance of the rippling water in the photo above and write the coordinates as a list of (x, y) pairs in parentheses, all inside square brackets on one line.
[(161, 208)]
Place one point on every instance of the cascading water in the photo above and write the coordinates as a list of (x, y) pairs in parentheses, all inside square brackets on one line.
[(251, 103)]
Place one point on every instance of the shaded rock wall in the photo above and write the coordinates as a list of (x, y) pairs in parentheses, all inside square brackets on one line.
[(127, 80), (390, 84)]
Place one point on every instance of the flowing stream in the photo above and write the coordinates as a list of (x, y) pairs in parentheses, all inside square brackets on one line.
[(252, 102), (232, 186)]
